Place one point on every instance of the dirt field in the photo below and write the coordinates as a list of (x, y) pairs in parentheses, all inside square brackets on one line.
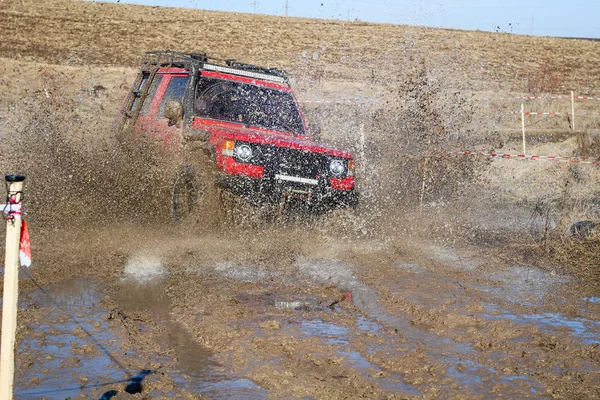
[(453, 279), (83, 33)]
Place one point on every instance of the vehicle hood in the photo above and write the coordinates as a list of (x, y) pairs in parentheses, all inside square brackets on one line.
[(264, 136)]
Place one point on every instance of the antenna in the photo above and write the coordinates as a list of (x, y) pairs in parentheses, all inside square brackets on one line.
[(286, 7), (254, 6), (532, 15)]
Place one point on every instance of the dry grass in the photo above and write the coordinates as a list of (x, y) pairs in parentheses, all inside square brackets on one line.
[(563, 255), (579, 256), (78, 32)]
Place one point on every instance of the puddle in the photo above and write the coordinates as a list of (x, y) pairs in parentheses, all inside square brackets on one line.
[(463, 371), (195, 370), (453, 355), (592, 299), (337, 335), (72, 348), (583, 329), (333, 334), (367, 325), (70, 355), (520, 285)]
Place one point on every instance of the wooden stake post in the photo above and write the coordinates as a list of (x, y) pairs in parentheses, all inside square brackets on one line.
[(11, 285), (573, 111), (523, 126), (425, 166)]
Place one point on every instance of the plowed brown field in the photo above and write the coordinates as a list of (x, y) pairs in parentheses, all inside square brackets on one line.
[(82, 32)]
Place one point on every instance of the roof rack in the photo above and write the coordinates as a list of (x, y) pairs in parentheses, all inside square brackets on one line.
[(199, 60)]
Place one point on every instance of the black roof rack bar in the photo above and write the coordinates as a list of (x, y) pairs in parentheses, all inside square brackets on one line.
[(169, 58)]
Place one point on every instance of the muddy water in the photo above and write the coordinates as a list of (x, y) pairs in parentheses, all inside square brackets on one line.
[(583, 329), (510, 297), (340, 337), (457, 358), (69, 350), (437, 326), (194, 368), (76, 349)]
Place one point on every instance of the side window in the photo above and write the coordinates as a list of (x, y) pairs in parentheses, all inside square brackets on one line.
[(175, 91), (151, 92), (138, 92)]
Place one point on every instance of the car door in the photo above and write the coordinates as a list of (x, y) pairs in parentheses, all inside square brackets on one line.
[(152, 121)]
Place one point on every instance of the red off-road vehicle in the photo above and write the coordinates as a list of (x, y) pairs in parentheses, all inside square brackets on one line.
[(247, 120)]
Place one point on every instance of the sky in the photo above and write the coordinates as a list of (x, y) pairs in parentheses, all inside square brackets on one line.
[(562, 18)]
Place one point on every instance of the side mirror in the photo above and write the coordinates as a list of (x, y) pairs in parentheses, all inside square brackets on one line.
[(315, 131), (173, 111)]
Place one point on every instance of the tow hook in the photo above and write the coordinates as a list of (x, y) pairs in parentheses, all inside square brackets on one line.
[(289, 193)]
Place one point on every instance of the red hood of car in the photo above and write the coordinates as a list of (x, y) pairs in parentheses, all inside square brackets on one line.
[(230, 130)]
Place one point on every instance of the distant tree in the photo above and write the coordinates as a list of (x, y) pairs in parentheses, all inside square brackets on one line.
[(543, 80)]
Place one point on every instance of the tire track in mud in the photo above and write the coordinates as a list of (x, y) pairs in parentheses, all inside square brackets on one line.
[(457, 359), (83, 342), (497, 311)]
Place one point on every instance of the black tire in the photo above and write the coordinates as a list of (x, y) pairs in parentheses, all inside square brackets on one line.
[(185, 192)]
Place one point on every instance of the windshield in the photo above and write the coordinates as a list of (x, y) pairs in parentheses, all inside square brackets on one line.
[(248, 104)]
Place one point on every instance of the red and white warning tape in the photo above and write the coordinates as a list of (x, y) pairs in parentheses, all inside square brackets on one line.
[(528, 157), (582, 98), (11, 210), (348, 101), (375, 101), (551, 113), (25, 246), (539, 98)]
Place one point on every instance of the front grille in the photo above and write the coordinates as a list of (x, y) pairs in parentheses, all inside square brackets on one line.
[(292, 162)]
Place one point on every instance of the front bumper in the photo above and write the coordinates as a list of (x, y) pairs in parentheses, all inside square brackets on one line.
[(270, 190)]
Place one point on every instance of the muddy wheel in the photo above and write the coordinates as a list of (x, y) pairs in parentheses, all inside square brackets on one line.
[(185, 192)]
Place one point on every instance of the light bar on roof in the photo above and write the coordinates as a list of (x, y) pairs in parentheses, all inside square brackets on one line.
[(249, 74)]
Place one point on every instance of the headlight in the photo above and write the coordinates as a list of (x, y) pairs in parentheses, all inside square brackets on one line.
[(337, 168), (243, 152)]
